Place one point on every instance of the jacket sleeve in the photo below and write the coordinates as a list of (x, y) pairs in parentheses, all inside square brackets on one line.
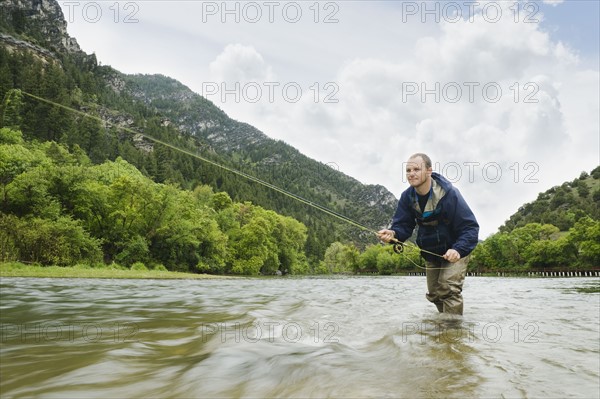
[(464, 225), (403, 222)]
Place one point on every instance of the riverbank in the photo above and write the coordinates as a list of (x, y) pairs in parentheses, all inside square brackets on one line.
[(16, 269)]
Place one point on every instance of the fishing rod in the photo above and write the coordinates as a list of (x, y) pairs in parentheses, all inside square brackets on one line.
[(397, 244)]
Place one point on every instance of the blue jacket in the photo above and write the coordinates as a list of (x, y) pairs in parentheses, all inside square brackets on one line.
[(446, 222)]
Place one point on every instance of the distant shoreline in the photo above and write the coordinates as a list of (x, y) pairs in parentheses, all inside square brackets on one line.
[(16, 269)]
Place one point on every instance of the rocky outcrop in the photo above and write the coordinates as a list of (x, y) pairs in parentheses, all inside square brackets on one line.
[(41, 21), (11, 43)]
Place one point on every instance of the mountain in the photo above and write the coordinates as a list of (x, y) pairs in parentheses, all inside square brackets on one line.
[(41, 25), (38, 56), (561, 206), (560, 230), (259, 155)]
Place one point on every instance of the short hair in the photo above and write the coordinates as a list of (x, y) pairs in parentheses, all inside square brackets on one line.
[(424, 157)]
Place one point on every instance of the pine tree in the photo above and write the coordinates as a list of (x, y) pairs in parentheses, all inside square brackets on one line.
[(11, 109)]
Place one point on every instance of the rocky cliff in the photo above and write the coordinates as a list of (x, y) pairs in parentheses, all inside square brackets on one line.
[(39, 22)]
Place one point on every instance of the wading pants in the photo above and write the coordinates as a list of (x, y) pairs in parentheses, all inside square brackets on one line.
[(444, 283)]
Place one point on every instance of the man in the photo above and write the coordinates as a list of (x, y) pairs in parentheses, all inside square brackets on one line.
[(447, 231)]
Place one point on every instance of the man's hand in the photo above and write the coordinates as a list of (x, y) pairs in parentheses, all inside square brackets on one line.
[(386, 235), (452, 255)]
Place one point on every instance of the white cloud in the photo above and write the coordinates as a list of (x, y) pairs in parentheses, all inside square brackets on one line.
[(241, 64), (374, 57), (553, 3), (525, 135)]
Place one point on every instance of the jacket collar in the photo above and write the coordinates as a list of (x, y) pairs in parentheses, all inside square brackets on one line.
[(436, 193)]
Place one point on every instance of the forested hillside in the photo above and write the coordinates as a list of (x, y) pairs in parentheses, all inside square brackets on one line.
[(59, 208), (562, 205), (37, 56), (79, 189), (560, 229)]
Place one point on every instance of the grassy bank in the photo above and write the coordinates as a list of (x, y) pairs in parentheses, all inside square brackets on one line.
[(16, 269)]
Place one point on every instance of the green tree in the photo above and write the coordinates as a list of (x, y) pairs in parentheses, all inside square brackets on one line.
[(368, 259), (251, 247), (290, 239), (11, 109), (60, 242), (28, 194), (596, 196), (585, 237), (185, 234), (352, 256), (386, 263), (335, 259), (522, 238), (6, 76), (203, 194), (551, 253), (15, 159), (220, 201), (10, 136), (583, 190)]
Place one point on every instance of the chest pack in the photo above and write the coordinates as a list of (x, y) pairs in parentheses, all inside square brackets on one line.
[(434, 233)]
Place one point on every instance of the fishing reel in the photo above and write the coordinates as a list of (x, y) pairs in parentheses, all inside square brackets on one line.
[(398, 247)]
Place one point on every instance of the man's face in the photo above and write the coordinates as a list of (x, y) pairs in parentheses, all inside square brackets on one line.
[(416, 171)]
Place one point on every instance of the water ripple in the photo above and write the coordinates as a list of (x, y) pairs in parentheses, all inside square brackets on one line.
[(307, 337)]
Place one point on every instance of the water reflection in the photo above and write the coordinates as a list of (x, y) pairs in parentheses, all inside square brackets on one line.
[(344, 337)]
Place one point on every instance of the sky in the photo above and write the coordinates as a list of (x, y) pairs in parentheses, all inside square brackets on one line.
[(503, 95)]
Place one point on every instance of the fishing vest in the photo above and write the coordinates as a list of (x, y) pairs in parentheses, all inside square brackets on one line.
[(434, 233)]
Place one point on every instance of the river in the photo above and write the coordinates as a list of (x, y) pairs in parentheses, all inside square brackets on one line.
[(345, 337)]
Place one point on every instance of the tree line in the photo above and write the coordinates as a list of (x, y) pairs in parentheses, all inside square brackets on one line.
[(560, 230), (59, 151), (82, 84), (59, 208), (537, 246), (533, 247)]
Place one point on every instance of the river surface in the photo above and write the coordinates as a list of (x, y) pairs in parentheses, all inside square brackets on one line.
[(347, 337)]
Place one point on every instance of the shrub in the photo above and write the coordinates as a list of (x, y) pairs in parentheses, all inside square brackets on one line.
[(159, 268), (139, 266)]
